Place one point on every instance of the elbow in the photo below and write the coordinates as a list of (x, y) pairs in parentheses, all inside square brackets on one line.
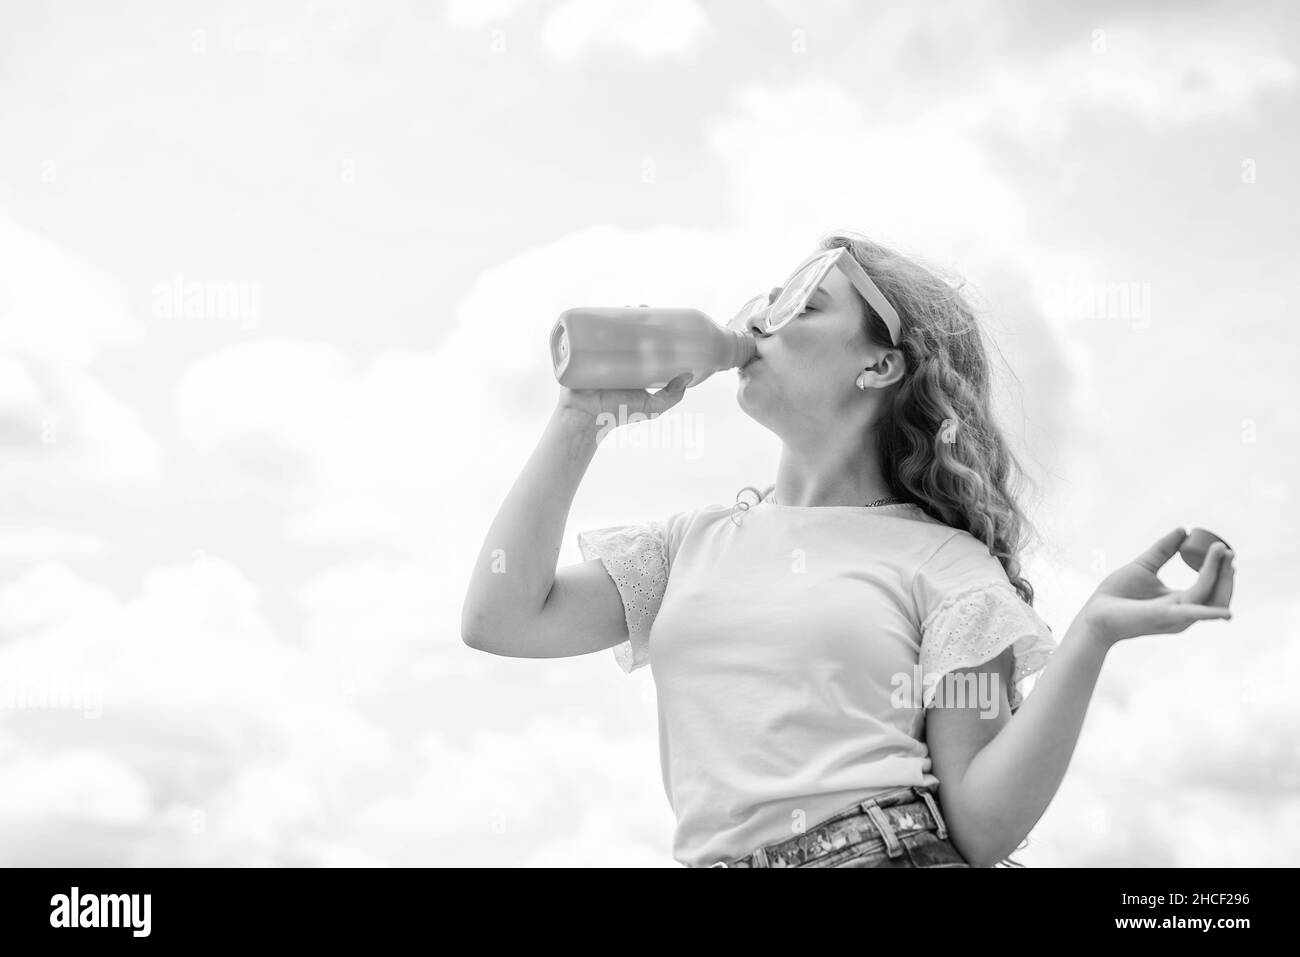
[(985, 853), (474, 631), (478, 642), (498, 632), (981, 860), (981, 842), (983, 837), (491, 636)]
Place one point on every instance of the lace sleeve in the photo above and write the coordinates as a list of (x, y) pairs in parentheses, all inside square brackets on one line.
[(976, 624), (636, 558)]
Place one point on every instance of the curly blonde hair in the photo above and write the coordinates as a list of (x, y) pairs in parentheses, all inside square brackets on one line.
[(938, 443)]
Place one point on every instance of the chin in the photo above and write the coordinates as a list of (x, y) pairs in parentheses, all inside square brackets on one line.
[(747, 406)]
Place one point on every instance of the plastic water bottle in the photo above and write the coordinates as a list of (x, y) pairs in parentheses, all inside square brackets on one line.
[(642, 347)]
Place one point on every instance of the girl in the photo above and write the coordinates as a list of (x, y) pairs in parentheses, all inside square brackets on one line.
[(838, 665)]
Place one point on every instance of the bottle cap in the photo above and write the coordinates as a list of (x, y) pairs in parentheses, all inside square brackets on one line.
[(1196, 545)]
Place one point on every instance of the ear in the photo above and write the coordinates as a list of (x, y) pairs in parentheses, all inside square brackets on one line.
[(893, 366)]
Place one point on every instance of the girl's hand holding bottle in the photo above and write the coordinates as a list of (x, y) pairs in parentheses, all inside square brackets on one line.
[(614, 407)]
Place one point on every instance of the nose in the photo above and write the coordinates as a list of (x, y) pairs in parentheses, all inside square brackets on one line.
[(758, 316), (749, 319)]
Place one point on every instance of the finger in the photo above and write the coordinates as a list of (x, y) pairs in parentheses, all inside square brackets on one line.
[(671, 394), (1222, 595), (1165, 548), (1203, 588), (1181, 616)]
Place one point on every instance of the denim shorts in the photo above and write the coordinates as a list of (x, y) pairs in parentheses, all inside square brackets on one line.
[(902, 827)]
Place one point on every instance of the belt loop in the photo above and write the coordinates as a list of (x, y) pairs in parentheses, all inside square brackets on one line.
[(892, 846), (933, 805), (759, 857)]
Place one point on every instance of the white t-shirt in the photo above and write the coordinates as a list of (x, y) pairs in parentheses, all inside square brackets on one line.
[(780, 640)]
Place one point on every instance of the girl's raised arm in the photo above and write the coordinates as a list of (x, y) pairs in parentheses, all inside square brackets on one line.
[(517, 604)]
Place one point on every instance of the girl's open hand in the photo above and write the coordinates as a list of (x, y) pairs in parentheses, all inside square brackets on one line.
[(1132, 601)]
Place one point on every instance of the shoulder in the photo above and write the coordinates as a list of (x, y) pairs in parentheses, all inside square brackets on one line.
[(683, 522), (957, 549), (697, 516), (957, 564), (690, 522)]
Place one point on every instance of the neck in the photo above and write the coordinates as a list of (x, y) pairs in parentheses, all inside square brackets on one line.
[(830, 474)]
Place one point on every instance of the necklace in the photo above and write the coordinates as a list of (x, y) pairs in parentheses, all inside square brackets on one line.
[(744, 506), (887, 500)]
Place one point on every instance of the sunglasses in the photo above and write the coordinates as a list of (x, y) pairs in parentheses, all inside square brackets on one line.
[(801, 285)]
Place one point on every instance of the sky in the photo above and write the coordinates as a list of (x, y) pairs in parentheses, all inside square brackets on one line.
[(276, 289)]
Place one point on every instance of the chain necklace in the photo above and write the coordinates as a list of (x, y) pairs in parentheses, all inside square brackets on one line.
[(741, 506), (887, 500)]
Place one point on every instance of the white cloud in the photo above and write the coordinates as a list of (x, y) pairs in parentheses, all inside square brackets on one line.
[(74, 784), (913, 181), (35, 544), (200, 703), (375, 618), (577, 29), (560, 785), (59, 424), (1164, 74), (49, 593), (648, 31), (54, 307), (476, 14)]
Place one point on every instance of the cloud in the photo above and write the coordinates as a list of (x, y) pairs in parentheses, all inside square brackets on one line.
[(59, 425), (1165, 74), (575, 30), (476, 14), (27, 544), (81, 784), (671, 28), (56, 308), (49, 593), (379, 618), (199, 705), (911, 180), (556, 785)]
